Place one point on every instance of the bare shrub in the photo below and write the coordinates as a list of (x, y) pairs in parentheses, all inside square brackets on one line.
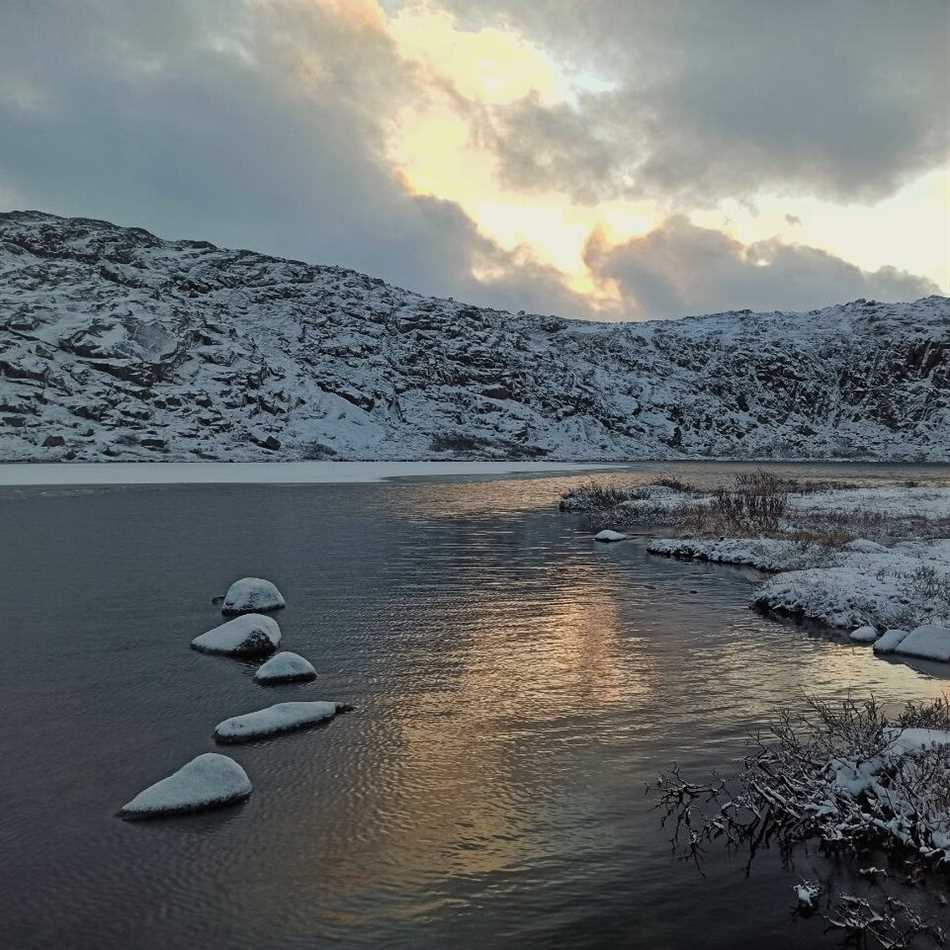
[(788, 790), (932, 584), (758, 502), (833, 773), (932, 715), (892, 925), (594, 496)]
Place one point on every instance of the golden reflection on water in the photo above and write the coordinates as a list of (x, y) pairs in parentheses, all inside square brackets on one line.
[(539, 655), (519, 671)]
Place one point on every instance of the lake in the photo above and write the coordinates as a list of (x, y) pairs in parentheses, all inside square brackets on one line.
[(516, 686)]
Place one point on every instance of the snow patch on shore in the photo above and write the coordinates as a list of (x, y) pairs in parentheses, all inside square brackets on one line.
[(858, 585)]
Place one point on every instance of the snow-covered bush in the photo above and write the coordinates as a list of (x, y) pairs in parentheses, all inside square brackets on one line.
[(842, 774), (757, 502), (851, 779)]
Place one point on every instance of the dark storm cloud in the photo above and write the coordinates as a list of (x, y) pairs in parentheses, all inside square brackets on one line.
[(842, 100), (256, 126), (680, 269)]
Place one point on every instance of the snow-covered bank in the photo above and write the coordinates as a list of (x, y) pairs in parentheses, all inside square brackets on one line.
[(855, 585), (809, 537), (930, 503), (270, 473)]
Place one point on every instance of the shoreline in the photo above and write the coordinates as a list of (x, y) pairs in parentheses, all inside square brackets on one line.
[(39, 474), (871, 563), (336, 471)]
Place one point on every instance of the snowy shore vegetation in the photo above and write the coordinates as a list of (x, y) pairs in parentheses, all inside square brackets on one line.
[(843, 557), (862, 785)]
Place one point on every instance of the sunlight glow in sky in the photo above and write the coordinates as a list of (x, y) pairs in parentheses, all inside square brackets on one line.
[(437, 150), (601, 159)]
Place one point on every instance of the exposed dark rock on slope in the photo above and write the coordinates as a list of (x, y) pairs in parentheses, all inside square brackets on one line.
[(115, 344)]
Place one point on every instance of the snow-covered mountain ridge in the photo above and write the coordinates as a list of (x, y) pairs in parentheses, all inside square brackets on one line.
[(116, 344)]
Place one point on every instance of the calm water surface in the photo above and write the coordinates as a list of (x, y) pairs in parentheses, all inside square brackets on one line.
[(516, 686)]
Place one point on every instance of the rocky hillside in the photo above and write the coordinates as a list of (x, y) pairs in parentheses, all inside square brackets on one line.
[(115, 344)]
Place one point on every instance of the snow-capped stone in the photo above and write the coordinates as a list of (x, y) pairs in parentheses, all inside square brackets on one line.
[(865, 634), (928, 642), (285, 668), (889, 640), (283, 717), (252, 595), (343, 365), (209, 781), (609, 535), (247, 635)]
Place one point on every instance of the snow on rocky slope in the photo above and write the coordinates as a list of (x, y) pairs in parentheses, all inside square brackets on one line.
[(115, 344)]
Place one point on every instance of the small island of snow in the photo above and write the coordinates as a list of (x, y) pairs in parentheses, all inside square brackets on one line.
[(608, 535), (286, 668), (284, 717), (248, 635), (209, 781), (252, 595)]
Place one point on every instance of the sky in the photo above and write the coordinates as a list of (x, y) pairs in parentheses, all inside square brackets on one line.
[(604, 159)]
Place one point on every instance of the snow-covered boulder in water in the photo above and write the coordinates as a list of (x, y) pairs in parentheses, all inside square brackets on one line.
[(609, 535), (208, 781), (928, 642), (286, 668), (890, 640), (248, 635), (865, 634), (252, 595), (284, 717)]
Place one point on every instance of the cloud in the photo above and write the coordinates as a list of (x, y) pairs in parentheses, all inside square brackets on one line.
[(266, 123), (257, 125), (679, 268), (845, 100), (792, 220)]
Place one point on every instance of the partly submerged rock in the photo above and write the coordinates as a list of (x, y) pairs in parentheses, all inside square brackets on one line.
[(889, 640), (249, 635), (865, 634), (807, 893), (284, 717), (928, 642), (252, 595), (286, 668), (610, 535), (209, 781)]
